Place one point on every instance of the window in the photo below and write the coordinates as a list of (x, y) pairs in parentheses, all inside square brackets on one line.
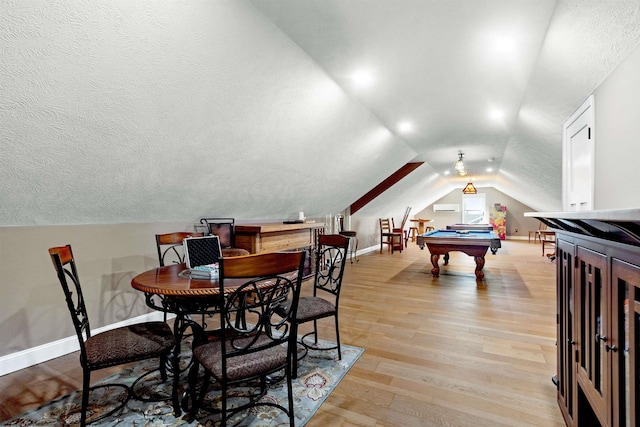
[(474, 209)]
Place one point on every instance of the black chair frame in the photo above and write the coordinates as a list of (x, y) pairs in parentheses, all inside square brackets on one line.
[(331, 258), (251, 327), (155, 338)]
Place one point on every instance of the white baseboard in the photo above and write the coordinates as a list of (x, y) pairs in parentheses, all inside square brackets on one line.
[(42, 353)]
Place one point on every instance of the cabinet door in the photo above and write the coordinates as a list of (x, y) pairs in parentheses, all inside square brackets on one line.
[(624, 345), (592, 326), (565, 253)]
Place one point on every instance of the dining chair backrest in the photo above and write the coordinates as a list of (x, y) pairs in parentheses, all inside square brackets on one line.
[(271, 279), (224, 228), (330, 263), (65, 265), (169, 246), (385, 225)]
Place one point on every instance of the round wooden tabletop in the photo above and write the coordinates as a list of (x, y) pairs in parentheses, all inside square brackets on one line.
[(172, 280)]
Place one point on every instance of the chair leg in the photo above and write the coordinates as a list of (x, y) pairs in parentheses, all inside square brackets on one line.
[(86, 380), (338, 338), (315, 332), (196, 401), (293, 353), (290, 396), (163, 367), (223, 413)]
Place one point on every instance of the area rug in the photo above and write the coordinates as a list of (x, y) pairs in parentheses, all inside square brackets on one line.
[(318, 374)]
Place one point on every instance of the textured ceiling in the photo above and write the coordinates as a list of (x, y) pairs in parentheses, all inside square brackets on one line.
[(168, 111), (446, 65)]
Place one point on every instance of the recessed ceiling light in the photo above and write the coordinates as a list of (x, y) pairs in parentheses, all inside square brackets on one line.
[(405, 127), (489, 169), (362, 78), (496, 114), (447, 172), (504, 44)]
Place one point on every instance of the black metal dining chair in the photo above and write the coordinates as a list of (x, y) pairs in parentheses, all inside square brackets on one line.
[(330, 262), (225, 229), (169, 246), (257, 346), (113, 347)]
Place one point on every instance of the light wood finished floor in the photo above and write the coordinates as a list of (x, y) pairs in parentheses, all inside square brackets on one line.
[(439, 351)]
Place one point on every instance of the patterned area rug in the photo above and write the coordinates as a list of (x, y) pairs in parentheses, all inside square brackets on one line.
[(318, 374)]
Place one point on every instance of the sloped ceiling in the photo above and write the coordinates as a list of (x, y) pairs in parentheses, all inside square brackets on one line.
[(447, 66), (169, 111)]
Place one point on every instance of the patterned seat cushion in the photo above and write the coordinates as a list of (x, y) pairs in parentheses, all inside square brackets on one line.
[(128, 344), (243, 366), (228, 252), (310, 308)]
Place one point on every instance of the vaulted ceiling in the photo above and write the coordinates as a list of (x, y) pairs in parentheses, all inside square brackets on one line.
[(152, 111), (494, 79)]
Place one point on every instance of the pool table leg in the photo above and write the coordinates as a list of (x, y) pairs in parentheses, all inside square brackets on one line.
[(479, 265), (446, 258), (434, 260)]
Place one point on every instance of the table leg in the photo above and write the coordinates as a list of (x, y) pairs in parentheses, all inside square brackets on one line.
[(479, 265), (434, 260), (183, 321), (446, 258), (178, 332)]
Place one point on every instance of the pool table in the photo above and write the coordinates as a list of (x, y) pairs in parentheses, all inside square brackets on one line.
[(495, 244), (472, 242)]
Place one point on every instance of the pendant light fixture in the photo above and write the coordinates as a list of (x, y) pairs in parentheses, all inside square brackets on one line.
[(459, 165)]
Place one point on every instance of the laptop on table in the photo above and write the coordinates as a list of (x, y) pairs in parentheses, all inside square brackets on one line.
[(202, 254)]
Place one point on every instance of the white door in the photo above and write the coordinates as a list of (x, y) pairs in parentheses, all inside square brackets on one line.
[(474, 209), (578, 159)]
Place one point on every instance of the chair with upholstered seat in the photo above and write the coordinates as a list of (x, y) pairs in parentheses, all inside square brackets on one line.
[(330, 262), (170, 248), (258, 346), (114, 347), (225, 229)]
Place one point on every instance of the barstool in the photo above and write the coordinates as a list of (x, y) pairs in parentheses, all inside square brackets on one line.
[(413, 232), (352, 235)]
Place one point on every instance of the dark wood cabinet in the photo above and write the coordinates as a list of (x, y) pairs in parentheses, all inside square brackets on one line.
[(625, 279), (565, 255), (598, 316)]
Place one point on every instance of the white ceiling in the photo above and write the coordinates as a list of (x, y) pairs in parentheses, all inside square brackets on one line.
[(171, 111), (445, 66)]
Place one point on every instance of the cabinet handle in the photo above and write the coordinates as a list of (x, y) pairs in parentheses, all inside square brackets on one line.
[(571, 342), (602, 338), (613, 348)]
